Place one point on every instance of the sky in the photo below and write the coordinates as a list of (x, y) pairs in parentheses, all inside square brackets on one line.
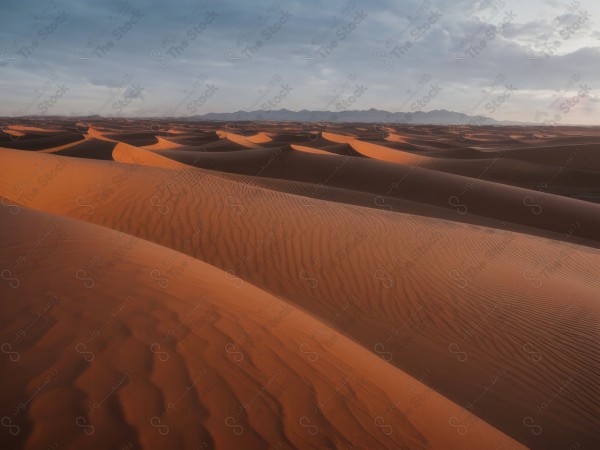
[(532, 61)]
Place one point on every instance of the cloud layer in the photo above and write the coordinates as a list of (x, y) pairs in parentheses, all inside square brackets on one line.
[(144, 58)]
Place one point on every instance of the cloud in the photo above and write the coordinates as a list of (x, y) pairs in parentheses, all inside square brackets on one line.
[(315, 46)]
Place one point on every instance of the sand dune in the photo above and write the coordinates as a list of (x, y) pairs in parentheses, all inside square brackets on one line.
[(162, 144), (502, 168), (42, 142), (582, 156), (154, 367), (394, 284), (92, 148), (11, 133), (245, 141), (34, 130), (303, 148), (375, 151), (396, 138), (139, 139), (134, 155), (460, 195), (451, 312), (194, 139)]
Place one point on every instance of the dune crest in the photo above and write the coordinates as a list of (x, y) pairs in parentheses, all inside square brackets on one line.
[(376, 151), (246, 141), (303, 148), (162, 144), (134, 155)]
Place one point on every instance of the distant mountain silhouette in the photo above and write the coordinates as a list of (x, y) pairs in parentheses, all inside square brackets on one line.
[(435, 117)]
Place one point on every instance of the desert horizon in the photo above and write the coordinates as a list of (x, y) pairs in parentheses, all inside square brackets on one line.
[(285, 225)]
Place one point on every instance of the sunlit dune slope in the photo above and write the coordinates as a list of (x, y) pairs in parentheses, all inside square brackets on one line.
[(196, 362)]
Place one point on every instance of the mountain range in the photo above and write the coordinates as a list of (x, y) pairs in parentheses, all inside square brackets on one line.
[(434, 117)]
